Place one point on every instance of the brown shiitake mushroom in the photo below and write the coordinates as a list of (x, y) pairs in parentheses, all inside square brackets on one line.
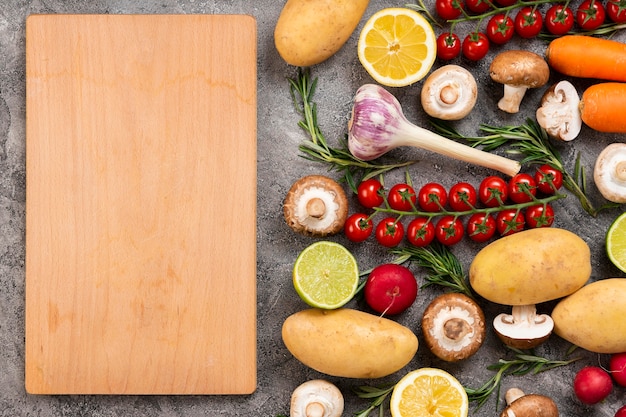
[(316, 398), (528, 405), (453, 326), (316, 205), (523, 328)]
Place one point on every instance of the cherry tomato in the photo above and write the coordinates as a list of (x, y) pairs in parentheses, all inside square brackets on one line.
[(477, 6), (448, 9), (402, 197), (509, 221), (432, 197), (500, 29), (621, 412), (528, 22), (448, 46), (505, 3), (462, 196), (590, 14), (539, 216), (449, 230), (522, 188), (358, 227), (420, 231), (548, 179), (370, 193), (493, 191), (616, 10), (481, 227), (559, 19), (475, 46), (389, 232)]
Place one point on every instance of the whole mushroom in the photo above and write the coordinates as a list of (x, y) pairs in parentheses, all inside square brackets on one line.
[(518, 70), (559, 113), (316, 398), (316, 205), (609, 173), (528, 405), (449, 93)]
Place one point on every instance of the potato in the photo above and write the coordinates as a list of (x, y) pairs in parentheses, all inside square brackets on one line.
[(593, 317), (310, 31), (531, 267), (348, 343)]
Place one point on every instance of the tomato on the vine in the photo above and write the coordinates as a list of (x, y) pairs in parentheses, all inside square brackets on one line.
[(358, 227), (493, 191), (462, 196), (500, 29), (402, 197), (528, 22), (448, 46), (548, 179), (481, 227), (432, 197), (505, 3), (510, 221), (449, 230), (370, 193), (559, 19), (616, 10), (590, 14), (541, 215), (475, 46), (420, 231), (389, 232), (449, 9), (477, 6), (522, 188)]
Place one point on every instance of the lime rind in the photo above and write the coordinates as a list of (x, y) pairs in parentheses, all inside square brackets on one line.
[(616, 242)]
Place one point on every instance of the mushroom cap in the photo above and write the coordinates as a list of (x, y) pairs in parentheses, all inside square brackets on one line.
[(559, 113), (523, 329), (531, 405), (316, 205), (449, 93), (316, 398), (519, 68), (453, 326), (609, 173)]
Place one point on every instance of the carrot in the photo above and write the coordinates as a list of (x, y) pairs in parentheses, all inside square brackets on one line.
[(588, 57), (602, 107)]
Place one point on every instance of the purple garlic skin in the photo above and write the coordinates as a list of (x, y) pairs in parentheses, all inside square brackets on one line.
[(375, 122)]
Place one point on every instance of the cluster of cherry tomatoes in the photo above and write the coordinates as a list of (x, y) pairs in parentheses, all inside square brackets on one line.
[(497, 205), (527, 22)]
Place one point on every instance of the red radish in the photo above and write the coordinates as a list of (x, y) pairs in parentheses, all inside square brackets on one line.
[(390, 289), (617, 366), (621, 412), (592, 384)]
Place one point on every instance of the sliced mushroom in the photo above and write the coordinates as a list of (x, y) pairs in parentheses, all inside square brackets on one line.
[(523, 328), (449, 93), (609, 172), (518, 71), (316, 398), (316, 205), (454, 327), (528, 405), (559, 113)]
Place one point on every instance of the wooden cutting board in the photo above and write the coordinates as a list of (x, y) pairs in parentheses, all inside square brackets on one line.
[(141, 204)]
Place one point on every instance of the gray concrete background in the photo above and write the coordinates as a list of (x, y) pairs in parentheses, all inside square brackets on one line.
[(279, 165)]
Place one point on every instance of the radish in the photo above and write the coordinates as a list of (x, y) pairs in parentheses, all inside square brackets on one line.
[(617, 366), (390, 289), (621, 412), (592, 384)]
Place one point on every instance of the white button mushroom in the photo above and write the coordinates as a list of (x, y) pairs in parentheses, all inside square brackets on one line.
[(518, 71), (316, 398), (559, 113), (449, 93), (609, 173)]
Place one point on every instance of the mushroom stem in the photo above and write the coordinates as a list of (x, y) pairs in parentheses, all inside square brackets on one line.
[(513, 394), (512, 98), (620, 171), (315, 207)]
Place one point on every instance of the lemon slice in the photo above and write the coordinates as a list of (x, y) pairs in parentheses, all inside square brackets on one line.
[(616, 242), (429, 392), (325, 275), (397, 46)]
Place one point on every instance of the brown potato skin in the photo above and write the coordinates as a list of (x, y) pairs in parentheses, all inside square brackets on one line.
[(348, 343), (311, 31)]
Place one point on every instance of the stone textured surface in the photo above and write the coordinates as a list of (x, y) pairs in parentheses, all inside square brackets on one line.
[(280, 164)]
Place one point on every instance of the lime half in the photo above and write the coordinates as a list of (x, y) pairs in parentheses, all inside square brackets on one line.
[(616, 242), (325, 275)]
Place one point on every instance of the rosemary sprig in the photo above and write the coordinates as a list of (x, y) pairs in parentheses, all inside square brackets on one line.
[(302, 88), (378, 395)]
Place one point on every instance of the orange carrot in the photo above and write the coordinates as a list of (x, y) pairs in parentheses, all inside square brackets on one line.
[(588, 57), (602, 107)]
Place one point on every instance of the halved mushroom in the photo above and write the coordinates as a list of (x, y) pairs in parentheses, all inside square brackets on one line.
[(528, 405), (518, 70), (316, 398), (559, 113), (609, 172), (316, 205), (449, 93), (454, 327), (523, 328)]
